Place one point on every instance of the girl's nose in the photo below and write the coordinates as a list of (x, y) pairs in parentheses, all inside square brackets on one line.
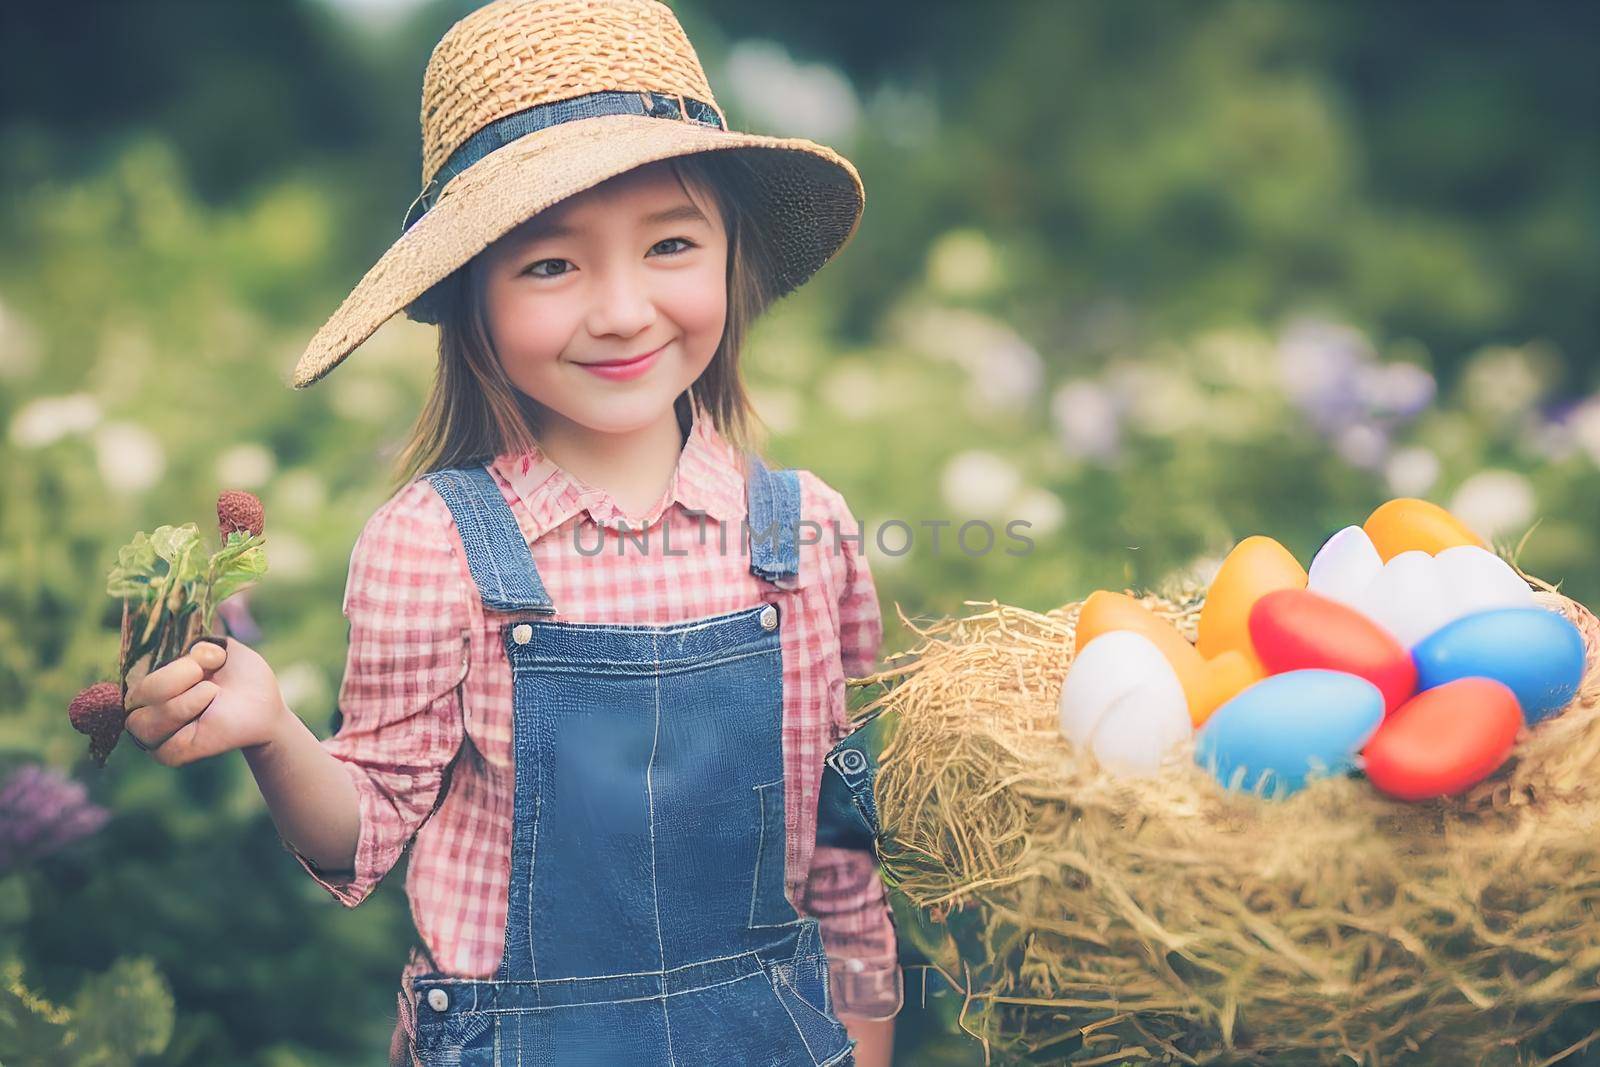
[(621, 304)]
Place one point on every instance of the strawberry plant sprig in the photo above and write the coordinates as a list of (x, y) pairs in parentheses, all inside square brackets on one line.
[(170, 590)]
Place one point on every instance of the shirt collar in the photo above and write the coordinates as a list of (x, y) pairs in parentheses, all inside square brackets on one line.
[(709, 478)]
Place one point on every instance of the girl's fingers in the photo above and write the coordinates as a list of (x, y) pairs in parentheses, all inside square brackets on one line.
[(156, 724), (165, 683)]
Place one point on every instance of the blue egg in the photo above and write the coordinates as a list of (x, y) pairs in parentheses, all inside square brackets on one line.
[(1538, 654), (1288, 727)]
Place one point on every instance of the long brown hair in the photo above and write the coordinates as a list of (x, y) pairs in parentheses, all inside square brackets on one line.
[(474, 412)]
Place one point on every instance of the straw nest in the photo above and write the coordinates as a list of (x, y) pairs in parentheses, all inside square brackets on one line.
[(1090, 919)]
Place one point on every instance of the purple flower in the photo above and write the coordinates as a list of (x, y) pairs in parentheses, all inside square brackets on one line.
[(1403, 390), (42, 812), (1321, 364)]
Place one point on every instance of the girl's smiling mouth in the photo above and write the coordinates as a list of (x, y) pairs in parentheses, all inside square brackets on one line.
[(623, 369)]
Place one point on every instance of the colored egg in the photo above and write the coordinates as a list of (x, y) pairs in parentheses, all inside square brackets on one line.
[(1345, 565), (1410, 525), (1444, 740), (1409, 598), (1538, 654), (1287, 728), (1479, 580), (1256, 566), (1296, 629), (1206, 683), (1122, 701), (1141, 730), (1225, 676)]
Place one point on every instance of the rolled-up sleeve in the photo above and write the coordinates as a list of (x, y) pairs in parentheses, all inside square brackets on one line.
[(844, 890), (407, 602)]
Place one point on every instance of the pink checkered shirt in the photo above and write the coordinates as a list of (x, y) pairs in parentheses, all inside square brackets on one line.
[(427, 672)]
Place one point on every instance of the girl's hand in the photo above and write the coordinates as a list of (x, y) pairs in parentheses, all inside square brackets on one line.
[(206, 702)]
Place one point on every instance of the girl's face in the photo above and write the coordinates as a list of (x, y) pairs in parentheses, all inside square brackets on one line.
[(630, 268)]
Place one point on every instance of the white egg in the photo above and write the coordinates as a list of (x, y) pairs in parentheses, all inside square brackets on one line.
[(1139, 731), (1105, 670), (1409, 598), (1122, 701), (1481, 580), (1345, 565)]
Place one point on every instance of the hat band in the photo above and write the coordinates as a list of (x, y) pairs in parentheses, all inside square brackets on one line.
[(503, 131)]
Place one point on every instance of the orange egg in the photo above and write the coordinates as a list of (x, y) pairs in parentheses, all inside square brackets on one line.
[(1257, 565), (1406, 524), (1226, 676), (1206, 683)]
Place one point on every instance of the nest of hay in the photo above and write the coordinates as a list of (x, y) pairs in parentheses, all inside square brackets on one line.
[(1092, 919)]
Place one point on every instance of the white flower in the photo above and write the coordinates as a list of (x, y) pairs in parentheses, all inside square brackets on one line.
[(46, 420), (803, 99), (299, 491), (1504, 381), (1042, 510), (963, 263), (1585, 427), (1085, 418), (289, 558), (888, 547), (1316, 356), (852, 388), (1495, 502), (976, 482), (1411, 471), (303, 685), (245, 466), (1005, 374), (1362, 445), (130, 458), (1003, 369)]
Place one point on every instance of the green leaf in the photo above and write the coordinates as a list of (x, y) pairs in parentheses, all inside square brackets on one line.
[(171, 543), (244, 570), (122, 1014), (239, 542), (29, 1025), (135, 568)]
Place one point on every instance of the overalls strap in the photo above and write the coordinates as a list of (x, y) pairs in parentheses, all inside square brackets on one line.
[(774, 519), (497, 553)]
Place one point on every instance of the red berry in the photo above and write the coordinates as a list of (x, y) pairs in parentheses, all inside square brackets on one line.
[(97, 709), (98, 712), (239, 510)]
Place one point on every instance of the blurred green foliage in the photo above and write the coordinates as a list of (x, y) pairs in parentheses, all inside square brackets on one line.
[(1148, 276)]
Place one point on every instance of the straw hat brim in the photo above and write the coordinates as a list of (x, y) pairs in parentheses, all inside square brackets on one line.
[(808, 197)]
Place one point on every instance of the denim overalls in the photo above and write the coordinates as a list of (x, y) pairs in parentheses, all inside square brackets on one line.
[(646, 922)]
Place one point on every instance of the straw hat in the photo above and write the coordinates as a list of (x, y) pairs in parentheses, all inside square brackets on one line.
[(526, 102)]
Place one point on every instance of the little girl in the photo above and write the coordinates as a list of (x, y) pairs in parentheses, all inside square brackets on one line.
[(597, 648)]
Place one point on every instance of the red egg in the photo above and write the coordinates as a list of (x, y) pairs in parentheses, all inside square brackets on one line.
[(1296, 629), (1444, 739)]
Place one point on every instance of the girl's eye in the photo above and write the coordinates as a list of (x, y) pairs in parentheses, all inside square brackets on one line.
[(533, 268), (681, 240)]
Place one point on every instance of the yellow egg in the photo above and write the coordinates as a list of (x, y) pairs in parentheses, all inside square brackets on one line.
[(1256, 566), (1406, 524), (1206, 683)]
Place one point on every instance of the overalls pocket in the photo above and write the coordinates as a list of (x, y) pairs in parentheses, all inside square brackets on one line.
[(768, 904), (801, 986), (847, 809)]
